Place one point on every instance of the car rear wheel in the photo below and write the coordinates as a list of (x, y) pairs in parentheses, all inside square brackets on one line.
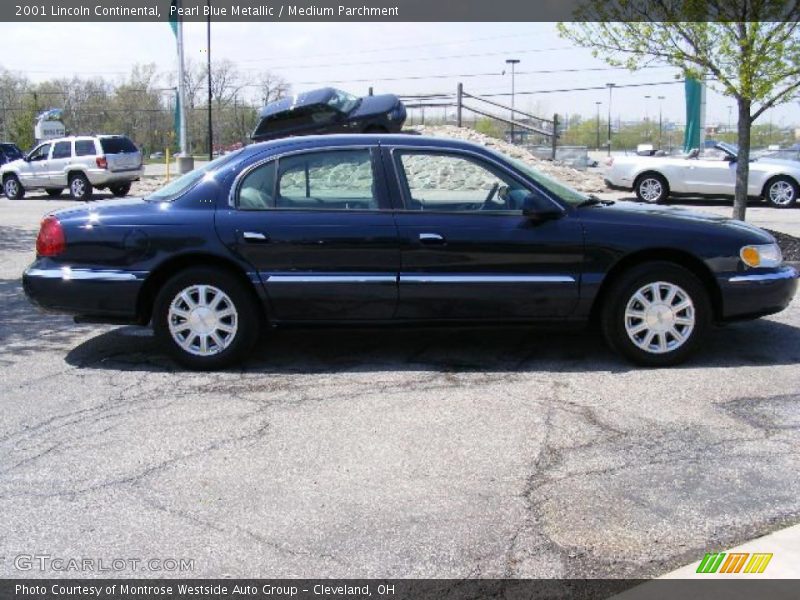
[(206, 318), (656, 314), (652, 188), (13, 188), (120, 189), (79, 187), (54, 192), (781, 192)]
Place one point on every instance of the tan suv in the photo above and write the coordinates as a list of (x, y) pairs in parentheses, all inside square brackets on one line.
[(80, 163)]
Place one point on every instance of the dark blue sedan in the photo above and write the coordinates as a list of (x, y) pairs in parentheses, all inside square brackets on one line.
[(392, 229)]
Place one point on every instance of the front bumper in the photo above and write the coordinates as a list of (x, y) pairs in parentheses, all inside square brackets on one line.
[(751, 295), (82, 291)]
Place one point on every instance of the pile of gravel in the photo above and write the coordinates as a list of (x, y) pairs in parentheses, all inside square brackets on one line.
[(580, 180), (790, 245)]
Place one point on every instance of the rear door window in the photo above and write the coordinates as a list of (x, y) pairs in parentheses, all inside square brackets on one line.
[(84, 148), (117, 145), (62, 150)]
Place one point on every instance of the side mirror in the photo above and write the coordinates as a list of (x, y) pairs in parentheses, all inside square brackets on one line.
[(730, 158), (539, 209)]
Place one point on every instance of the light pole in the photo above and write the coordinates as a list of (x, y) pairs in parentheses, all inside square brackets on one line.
[(208, 66), (646, 119), (598, 103), (660, 121), (610, 87), (513, 62)]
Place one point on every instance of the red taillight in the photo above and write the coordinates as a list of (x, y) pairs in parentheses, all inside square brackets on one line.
[(51, 238), (102, 163)]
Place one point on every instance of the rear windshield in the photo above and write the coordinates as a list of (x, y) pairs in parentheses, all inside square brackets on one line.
[(117, 145), (177, 187), (11, 151)]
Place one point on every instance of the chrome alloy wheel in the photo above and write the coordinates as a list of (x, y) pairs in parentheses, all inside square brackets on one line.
[(77, 187), (781, 193), (12, 187), (202, 320), (651, 189), (659, 317)]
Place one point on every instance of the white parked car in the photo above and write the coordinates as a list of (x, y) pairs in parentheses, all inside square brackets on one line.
[(711, 173), (80, 163)]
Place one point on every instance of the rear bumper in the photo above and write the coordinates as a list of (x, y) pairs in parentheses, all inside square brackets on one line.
[(751, 295), (88, 292), (103, 177)]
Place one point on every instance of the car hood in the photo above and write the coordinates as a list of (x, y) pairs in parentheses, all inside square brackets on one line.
[(13, 164), (374, 105), (682, 218)]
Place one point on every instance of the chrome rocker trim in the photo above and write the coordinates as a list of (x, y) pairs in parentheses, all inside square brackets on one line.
[(414, 278), (69, 274)]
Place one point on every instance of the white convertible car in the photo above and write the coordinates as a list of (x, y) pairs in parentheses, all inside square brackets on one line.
[(712, 173)]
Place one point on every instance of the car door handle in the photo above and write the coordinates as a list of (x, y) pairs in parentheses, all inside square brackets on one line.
[(431, 238), (254, 237)]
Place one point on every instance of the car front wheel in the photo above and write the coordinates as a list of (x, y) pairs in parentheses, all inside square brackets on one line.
[(652, 188), (656, 314), (13, 188), (781, 192), (206, 318)]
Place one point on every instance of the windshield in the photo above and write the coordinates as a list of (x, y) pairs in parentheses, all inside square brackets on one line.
[(565, 193), (729, 148), (342, 101), (179, 186), (11, 151)]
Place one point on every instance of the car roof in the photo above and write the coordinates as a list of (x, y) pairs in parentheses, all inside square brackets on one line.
[(312, 142)]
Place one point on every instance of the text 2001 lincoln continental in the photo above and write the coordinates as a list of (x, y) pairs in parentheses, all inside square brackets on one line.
[(364, 229)]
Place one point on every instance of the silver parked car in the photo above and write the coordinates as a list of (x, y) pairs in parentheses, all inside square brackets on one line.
[(80, 163), (710, 173)]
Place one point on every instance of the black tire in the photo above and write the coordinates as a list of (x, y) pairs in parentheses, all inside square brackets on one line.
[(616, 324), (651, 188), (120, 189), (247, 321), (79, 187), (53, 192), (781, 192), (13, 188)]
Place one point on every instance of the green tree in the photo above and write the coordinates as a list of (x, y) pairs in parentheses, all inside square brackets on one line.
[(747, 49)]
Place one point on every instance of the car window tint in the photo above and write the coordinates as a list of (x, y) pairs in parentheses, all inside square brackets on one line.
[(333, 180), (445, 182), (257, 189), (41, 152), (84, 148), (117, 145), (62, 150)]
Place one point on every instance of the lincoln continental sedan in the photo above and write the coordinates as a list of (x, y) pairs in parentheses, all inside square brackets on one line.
[(398, 230)]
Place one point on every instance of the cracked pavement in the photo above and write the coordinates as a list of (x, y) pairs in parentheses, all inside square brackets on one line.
[(388, 453)]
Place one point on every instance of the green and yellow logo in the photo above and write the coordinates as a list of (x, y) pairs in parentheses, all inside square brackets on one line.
[(735, 562)]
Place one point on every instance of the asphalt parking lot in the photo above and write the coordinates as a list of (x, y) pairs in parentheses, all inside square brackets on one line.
[(399, 453)]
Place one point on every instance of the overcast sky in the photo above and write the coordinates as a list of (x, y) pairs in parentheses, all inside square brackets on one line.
[(403, 58)]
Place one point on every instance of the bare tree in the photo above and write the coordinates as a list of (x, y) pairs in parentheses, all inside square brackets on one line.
[(272, 87)]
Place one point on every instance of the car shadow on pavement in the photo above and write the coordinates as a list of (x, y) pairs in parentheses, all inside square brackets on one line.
[(476, 349)]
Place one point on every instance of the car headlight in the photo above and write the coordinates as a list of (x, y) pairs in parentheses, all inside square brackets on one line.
[(763, 255)]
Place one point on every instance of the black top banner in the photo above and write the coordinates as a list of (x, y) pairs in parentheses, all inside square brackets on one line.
[(397, 10)]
